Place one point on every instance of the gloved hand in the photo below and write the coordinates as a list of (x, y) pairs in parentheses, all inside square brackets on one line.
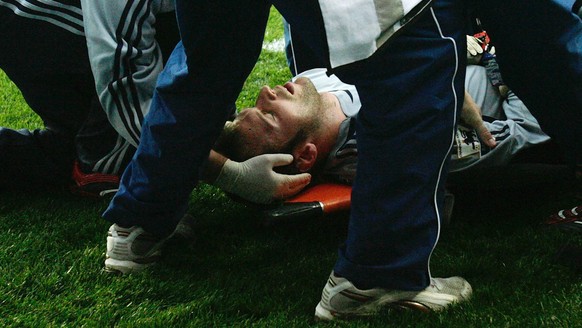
[(474, 49), (255, 180)]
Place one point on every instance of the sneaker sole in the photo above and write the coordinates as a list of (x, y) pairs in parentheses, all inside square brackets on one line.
[(322, 314), (125, 267)]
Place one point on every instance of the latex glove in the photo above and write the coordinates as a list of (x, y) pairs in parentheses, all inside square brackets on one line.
[(254, 179), (474, 50), (473, 46)]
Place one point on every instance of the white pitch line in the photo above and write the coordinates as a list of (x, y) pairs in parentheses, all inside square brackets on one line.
[(275, 46)]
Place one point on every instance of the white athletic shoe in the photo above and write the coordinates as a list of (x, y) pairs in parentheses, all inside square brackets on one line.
[(341, 299), (131, 249)]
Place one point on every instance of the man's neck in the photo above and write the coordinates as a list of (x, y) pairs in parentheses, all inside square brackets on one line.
[(333, 117)]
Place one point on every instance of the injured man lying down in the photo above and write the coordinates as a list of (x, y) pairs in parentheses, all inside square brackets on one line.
[(313, 118)]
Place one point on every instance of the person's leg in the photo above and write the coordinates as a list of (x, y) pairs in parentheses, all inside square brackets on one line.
[(57, 86), (100, 149), (34, 159), (299, 55), (167, 33), (160, 199), (410, 93), (102, 153), (411, 90), (179, 130), (185, 118)]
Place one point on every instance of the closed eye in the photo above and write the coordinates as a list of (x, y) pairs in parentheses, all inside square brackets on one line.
[(270, 115)]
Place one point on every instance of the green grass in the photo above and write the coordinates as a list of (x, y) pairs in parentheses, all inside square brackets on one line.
[(239, 273)]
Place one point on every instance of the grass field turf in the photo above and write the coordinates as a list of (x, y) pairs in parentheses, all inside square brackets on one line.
[(239, 273)]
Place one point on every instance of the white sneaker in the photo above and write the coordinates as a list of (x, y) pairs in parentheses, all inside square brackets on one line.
[(341, 299), (131, 249)]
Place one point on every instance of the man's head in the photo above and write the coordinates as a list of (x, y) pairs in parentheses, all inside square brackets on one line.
[(285, 119)]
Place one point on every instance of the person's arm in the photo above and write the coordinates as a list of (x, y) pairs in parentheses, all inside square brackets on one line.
[(509, 120), (519, 130), (471, 117), (125, 58)]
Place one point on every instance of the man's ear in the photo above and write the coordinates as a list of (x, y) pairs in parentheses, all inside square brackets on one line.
[(305, 157)]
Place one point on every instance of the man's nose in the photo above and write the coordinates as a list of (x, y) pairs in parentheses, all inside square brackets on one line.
[(269, 93)]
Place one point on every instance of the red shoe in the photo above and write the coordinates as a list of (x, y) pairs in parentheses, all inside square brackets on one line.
[(93, 184), (567, 219)]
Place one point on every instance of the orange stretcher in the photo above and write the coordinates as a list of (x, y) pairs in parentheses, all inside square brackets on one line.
[(316, 201)]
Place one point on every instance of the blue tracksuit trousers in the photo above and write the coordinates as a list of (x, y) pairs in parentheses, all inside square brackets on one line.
[(410, 92)]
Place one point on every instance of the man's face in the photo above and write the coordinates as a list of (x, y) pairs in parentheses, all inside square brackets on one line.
[(279, 115)]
